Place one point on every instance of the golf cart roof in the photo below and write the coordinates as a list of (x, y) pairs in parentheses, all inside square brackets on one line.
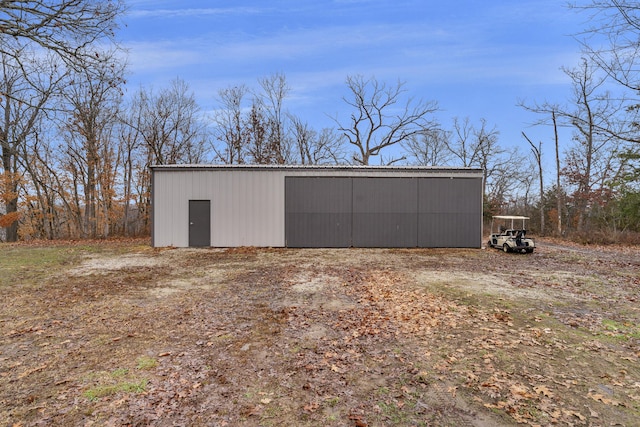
[(510, 217)]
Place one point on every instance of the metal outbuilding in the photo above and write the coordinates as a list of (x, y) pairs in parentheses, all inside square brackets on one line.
[(316, 206)]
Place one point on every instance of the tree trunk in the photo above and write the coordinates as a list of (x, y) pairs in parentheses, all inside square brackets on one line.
[(558, 188), (537, 152), (9, 191), (11, 207), (542, 231)]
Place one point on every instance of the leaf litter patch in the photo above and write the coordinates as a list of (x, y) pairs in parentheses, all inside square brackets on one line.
[(344, 337)]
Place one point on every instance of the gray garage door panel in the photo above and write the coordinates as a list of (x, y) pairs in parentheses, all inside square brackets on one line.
[(385, 212), (317, 212), (449, 230), (450, 213), (384, 230), (445, 195), (311, 230)]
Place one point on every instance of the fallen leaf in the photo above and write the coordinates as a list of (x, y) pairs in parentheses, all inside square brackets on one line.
[(255, 411), (422, 377), (555, 414), (520, 392), (358, 421), (601, 398), (452, 390), (544, 390), (492, 389), (337, 369), (311, 407), (574, 414), (498, 405), (31, 371)]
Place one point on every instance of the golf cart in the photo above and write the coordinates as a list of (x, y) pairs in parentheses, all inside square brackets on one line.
[(508, 237)]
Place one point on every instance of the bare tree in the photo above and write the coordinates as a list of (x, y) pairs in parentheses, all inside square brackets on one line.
[(165, 128), (44, 176), (171, 125), (598, 120), (536, 150), (473, 146), (611, 41), (93, 101), (229, 124), (316, 148), (464, 150), (490, 158), (257, 137), (429, 148), (559, 192), (133, 160), (380, 119), (611, 38), (592, 117), (26, 89), (270, 102), (263, 132), (549, 114), (67, 27)]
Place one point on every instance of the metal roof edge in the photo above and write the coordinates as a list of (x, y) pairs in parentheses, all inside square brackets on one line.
[(444, 169)]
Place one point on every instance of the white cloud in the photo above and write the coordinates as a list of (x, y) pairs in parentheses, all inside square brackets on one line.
[(153, 56), (189, 12), (408, 52)]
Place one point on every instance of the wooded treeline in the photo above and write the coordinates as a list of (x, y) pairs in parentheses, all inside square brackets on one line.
[(76, 149)]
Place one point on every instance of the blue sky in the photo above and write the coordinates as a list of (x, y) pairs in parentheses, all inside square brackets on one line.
[(477, 59)]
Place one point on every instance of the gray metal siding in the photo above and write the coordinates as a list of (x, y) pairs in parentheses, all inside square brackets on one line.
[(450, 212), (318, 212), (385, 212)]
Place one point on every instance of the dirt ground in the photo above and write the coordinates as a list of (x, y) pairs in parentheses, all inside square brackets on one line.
[(118, 333)]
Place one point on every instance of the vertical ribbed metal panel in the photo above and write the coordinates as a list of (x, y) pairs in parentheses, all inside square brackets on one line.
[(171, 212), (450, 212), (385, 212), (247, 207), (318, 212)]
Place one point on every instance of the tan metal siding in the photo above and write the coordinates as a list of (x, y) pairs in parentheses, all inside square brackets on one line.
[(171, 209), (247, 207)]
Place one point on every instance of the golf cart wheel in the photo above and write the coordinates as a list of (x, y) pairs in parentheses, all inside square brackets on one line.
[(505, 248)]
